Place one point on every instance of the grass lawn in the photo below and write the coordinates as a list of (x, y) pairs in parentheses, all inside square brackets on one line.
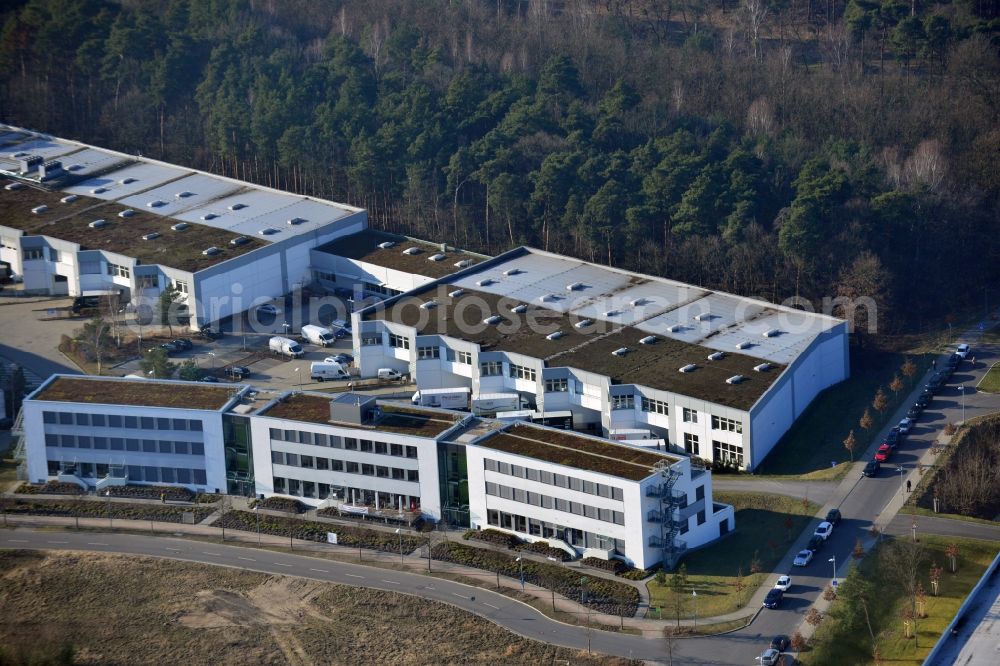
[(991, 382), (833, 644), (712, 571), (816, 438), (920, 511)]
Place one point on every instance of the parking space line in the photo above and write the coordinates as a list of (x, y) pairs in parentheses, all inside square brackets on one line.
[(460, 596), (491, 606), (58, 541), (96, 543), (205, 552), (279, 564), (393, 582), (176, 550), (18, 540)]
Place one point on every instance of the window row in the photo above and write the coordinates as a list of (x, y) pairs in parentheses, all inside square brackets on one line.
[(371, 340), (33, 254), (426, 353), (491, 368), (553, 479), (462, 357), (655, 406), (725, 453), (373, 288), (692, 444), (348, 443), (522, 372), (137, 473), (556, 385), (690, 415), (545, 530), (557, 503), (399, 341), (347, 466), (125, 444), (722, 423), (623, 401), (114, 270), (118, 421)]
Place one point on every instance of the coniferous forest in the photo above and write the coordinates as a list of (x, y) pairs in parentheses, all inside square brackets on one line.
[(766, 147)]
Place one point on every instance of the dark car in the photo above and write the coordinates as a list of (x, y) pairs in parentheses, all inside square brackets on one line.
[(773, 598), (815, 543), (914, 411), (183, 344), (168, 347), (892, 439), (210, 379), (237, 371), (209, 333), (924, 400), (780, 643), (833, 516), (872, 468)]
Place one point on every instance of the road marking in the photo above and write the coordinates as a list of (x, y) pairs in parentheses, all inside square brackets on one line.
[(96, 543), (354, 576), (58, 541), (205, 552), (428, 587), (279, 564), (393, 582), (491, 606), (320, 570), (18, 540), (176, 550), (460, 596), (248, 559)]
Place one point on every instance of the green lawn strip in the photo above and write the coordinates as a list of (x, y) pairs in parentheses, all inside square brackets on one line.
[(920, 511), (712, 571), (817, 437), (837, 641), (991, 382), (78, 507)]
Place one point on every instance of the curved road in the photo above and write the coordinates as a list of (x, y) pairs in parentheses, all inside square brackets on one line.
[(504, 611)]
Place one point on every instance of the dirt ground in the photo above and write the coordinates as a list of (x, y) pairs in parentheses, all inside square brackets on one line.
[(132, 610)]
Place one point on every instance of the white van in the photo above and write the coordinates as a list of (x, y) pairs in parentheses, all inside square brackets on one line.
[(285, 347), (320, 372), (389, 374), (318, 335)]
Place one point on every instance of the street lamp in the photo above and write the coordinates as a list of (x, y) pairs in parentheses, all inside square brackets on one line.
[(256, 510), (521, 564), (694, 594), (399, 531), (212, 354), (298, 375), (110, 523), (834, 560), (961, 389), (583, 583)]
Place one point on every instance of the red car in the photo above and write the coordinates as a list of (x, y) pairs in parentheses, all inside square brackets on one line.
[(883, 453)]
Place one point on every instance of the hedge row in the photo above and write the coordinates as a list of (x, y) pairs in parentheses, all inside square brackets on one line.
[(277, 503), (95, 509), (545, 549), (496, 537), (606, 596), (632, 573), (50, 488), (614, 566), (171, 493), (308, 530)]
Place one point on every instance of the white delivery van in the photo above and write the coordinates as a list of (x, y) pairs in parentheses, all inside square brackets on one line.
[(285, 347), (389, 373), (318, 335), (447, 398), (321, 372)]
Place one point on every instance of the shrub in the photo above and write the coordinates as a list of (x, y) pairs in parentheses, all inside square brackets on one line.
[(98, 509), (172, 493), (50, 488), (631, 573), (308, 530), (545, 549), (614, 566), (278, 503), (496, 537)]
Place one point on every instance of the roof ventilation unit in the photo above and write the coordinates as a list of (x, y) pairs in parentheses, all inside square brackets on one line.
[(98, 224), (518, 309), (690, 367), (211, 252), (14, 187), (583, 323), (70, 199), (428, 305), (126, 181), (574, 286), (763, 367), (547, 297), (772, 333), (269, 231), (180, 226), (74, 167), (436, 257), (648, 340), (386, 245), (292, 221), (636, 302), (485, 282), (465, 263), (716, 356), (209, 216), (735, 379), (151, 236), (128, 212), (612, 313), (38, 210), (492, 320), (156, 203), (621, 351), (512, 271), (554, 336), (456, 293), (239, 240), (673, 328), (704, 316), (237, 206), (184, 195), (744, 345), (99, 190), (412, 250)]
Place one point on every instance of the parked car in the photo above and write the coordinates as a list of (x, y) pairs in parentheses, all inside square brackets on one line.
[(237, 372), (833, 516), (803, 558), (183, 344), (209, 333), (883, 453), (784, 582), (773, 598), (824, 530), (925, 400), (780, 643), (892, 439), (268, 309), (168, 347), (914, 411), (872, 468), (209, 379), (815, 543), (343, 359), (905, 425), (770, 657), (963, 351)]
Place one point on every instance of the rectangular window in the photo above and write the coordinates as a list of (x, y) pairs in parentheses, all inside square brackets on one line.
[(352, 467), (131, 444), (147, 422), (292, 459), (371, 340), (517, 470), (180, 424), (33, 254), (114, 270), (690, 415), (322, 463), (699, 493), (655, 406), (65, 418), (398, 474), (276, 434), (336, 442), (691, 444), (336, 465), (148, 446), (162, 424), (503, 468), (350, 444), (117, 444), (491, 368), (701, 517), (464, 357), (427, 353), (545, 477), (148, 281), (367, 446), (307, 462), (556, 385), (277, 458), (114, 421), (305, 437), (194, 426), (181, 286), (165, 446), (623, 401), (83, 419), (396, 450), (399, 341), (367, 470), (183, 475), (519, 495), (182, 448), (167, 474), (411, 452), (381, 472), (97, 420), (151, 473), (197, 449), (381, 448), (321, 440), (727, 454), (48, 417), (100, 442), (130, 422), (199, 477), (730, 425), (522, 372), (51, 440)]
